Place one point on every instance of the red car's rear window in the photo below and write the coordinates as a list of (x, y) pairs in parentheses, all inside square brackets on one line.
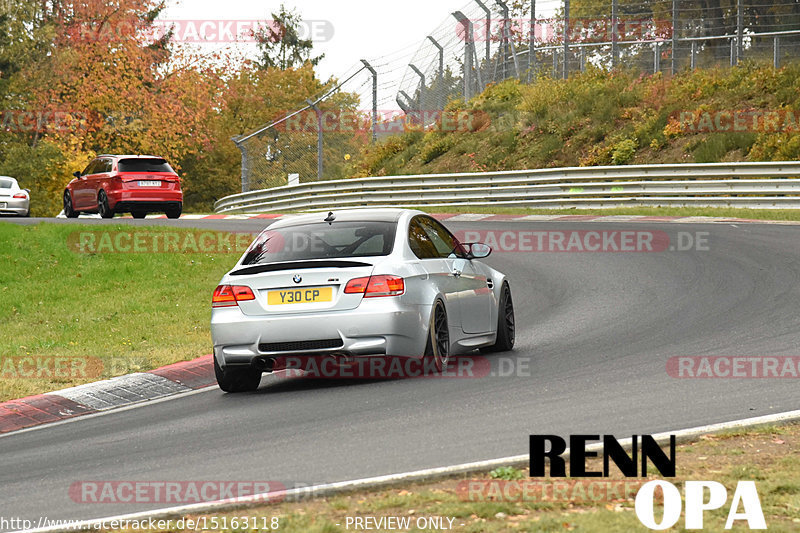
[(144, 165)]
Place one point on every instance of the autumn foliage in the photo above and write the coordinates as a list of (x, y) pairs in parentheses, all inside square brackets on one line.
[(84, 77)]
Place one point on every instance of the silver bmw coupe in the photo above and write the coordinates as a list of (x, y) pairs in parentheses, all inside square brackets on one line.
[(353, 285)]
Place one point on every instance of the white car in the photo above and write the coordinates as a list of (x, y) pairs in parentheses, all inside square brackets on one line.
[(13, 200), (356, 284)]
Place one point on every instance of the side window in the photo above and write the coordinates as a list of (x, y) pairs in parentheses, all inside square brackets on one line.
[(444, 241), (105, 166), (419, 241), (91, 169)]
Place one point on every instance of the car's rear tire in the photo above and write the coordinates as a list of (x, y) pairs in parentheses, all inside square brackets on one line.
[(102, 206), (175, 212), (438, 345), (237, 379), (506, 326), (138, 214), (69, 210)]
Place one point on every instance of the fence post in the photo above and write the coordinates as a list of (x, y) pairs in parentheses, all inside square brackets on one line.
[(488, 32), (374, 99), (694, 55), (422, 88), (656, 57), (469, 45), (555, 63), (245, 164), (733, 52), (508, 40), (566, 39), (674, 67), (776, 52), (405, 107), (503, 50), (614, 25), (440, 89), (513, 53), (532, 43), (583, 58), (739, 31)]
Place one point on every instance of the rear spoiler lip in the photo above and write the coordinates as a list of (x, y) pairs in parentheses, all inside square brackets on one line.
[(297, 265)]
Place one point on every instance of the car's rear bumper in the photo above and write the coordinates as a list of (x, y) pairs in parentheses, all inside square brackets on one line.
[(13, 206), (156, 200), (378, 327), (135, 205)]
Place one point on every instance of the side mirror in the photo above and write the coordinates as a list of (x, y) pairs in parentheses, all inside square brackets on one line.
[(478, 250), (77, 174)]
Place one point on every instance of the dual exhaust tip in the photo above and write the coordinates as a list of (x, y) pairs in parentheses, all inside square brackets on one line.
[(264, 364), (267, 364)]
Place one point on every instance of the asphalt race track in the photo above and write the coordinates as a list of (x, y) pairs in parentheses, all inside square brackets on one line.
[(594, 333)]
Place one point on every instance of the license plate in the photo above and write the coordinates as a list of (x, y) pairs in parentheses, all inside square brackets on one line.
[(149, 184), (300, 296)]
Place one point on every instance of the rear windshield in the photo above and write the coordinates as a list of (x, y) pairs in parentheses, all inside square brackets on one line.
[(322, 241), (144, 165), (6, 184)]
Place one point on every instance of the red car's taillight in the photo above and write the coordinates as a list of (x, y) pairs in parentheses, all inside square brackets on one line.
[(374, 286), (20, 195), (231, 295)]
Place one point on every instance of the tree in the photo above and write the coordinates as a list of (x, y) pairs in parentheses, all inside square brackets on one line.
[(280, 44)]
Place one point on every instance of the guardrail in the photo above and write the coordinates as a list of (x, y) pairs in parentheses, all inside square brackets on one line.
[(753, 185)]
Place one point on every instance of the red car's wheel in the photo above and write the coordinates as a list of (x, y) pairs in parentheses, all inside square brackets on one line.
[(103, 207), (69, 210)]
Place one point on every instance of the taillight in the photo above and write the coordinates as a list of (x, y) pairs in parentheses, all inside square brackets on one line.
[(21, 195), (231, 295), (243, 294), (374, 286), (356, 286)]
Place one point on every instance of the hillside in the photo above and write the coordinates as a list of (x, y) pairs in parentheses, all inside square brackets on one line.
[(748, 113)]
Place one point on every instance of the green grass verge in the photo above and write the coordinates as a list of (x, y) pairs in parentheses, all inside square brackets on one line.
[(133, 311), (768, 455)]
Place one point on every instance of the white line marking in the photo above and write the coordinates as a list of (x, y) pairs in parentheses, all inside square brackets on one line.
[(468, 217), (391, 479)]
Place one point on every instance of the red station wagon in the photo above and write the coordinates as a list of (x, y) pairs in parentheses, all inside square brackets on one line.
[(136, 184)]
